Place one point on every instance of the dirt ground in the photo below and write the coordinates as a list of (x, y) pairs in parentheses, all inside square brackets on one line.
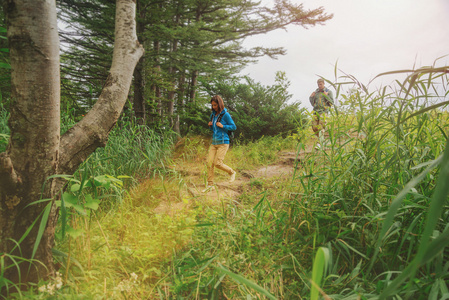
[(193, 177)]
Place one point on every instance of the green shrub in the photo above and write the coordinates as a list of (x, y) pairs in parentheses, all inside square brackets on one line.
[(260, 110)]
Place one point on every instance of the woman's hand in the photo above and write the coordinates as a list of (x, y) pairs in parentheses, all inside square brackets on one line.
[(219, 124), (210, 123)]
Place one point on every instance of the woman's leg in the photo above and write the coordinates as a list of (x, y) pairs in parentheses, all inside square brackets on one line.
[(219, 157), (210, 164)]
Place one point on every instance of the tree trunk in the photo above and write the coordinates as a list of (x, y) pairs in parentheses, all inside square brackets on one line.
[(32, 154), (171, 100), (35, 150), (139, 72), (139, 92), (193, 84), (155, 88), (171, 92), (180, 103)]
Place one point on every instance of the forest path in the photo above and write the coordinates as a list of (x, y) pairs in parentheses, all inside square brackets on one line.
[(193, 176)]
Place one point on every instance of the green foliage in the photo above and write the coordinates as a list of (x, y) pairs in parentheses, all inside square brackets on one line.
[(260, 110), (5, 68), (133, 150), (183, 41), (247, 282), (228, 242), (372, 204), (194, 119), (371, 175), (261, 152), (320, 264), (83, 198), (86, 56)]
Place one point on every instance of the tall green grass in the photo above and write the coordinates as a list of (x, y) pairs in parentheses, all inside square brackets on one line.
[(133, 153), (373, 202), (133, 150), (371, 199)]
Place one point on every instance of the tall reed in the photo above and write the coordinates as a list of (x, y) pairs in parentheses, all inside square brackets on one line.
[(373, 194)]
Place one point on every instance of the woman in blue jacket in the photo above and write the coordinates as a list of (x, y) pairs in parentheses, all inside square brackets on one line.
[(220, 123)]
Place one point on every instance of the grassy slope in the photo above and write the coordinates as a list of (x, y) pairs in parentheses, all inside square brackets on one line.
[(372, 202), (167, 240)]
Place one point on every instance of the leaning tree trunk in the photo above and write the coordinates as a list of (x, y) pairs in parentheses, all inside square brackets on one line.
[(35, 150)]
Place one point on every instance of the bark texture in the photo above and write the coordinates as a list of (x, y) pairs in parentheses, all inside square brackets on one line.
[(35, 150)]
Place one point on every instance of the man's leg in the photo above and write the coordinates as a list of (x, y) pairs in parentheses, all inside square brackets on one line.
[(316, 123), (323, 121)]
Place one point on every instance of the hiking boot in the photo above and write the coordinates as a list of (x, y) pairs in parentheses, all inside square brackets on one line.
[(232, 178)]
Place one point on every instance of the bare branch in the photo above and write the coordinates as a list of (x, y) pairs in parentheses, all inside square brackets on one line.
[(92, 131)]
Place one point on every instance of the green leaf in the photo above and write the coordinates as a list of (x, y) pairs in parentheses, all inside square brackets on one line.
[(240, 279), (5, 66), (351, 248), (42, 227), (65, 256), (319, 269), (75, 188), (72, 201), (91, 203), (69, 199), (74, 233), (63, 218)]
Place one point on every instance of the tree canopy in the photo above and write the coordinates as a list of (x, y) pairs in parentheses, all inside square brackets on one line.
[(186, 42)]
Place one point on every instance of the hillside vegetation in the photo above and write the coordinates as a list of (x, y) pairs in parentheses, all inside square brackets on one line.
[(364, 217)]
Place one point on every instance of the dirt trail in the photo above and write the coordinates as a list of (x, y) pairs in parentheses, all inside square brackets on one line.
[(193, 176)]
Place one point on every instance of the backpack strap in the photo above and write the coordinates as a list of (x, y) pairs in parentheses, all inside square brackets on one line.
[(220, 116)]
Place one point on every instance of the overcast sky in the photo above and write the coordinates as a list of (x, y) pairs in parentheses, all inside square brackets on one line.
[(366, 37)]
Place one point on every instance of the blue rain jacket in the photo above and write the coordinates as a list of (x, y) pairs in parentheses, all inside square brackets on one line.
[(220, 135)]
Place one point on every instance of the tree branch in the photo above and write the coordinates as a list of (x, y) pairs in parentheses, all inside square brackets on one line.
[(92, 131)]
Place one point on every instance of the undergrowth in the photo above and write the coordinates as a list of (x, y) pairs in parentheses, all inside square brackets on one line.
[(363, 217), (372, 203)]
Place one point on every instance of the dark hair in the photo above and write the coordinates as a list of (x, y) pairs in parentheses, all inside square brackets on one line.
[(217, 99)]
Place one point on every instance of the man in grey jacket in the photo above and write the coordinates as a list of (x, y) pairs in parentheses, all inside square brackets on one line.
[(321, 100)]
